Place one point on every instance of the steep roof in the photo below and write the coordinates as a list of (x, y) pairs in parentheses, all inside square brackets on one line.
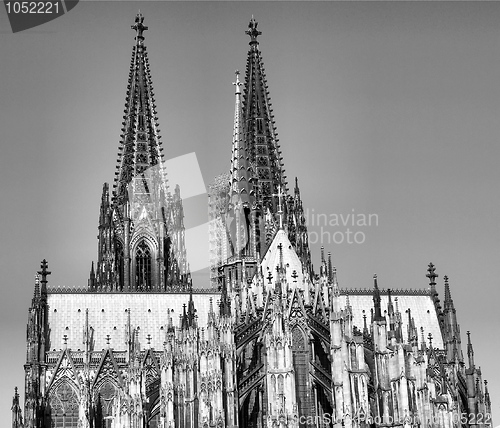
[(108, 314)]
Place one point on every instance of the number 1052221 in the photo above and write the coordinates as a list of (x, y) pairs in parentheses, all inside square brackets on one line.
[(32, 7)]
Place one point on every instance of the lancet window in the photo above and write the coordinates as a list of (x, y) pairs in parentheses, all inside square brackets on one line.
[(143, 264)]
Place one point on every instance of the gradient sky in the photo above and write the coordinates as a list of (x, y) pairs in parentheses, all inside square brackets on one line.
[(381, 108)]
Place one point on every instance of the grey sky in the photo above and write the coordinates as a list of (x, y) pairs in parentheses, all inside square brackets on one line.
[(382, 108)]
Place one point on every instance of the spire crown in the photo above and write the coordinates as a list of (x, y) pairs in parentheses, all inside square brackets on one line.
[(139, 27), (252, 31)]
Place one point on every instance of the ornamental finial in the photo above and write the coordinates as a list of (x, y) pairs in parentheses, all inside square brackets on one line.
[(139, 27), (237, 83), (432, 275), (252, 31)]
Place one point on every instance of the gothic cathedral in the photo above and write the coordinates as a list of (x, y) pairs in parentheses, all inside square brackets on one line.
[(268, 342)]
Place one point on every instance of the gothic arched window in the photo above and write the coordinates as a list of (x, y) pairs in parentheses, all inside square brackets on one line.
[(64, 407), (105, 400), (143, 266)]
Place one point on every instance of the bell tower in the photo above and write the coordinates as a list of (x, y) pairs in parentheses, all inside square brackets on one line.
[(141, 231)]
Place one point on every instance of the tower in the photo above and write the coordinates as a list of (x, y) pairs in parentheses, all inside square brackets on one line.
[(141, 232)]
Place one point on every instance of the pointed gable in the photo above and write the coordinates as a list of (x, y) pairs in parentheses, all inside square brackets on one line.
[(65, 369), (291, 262), (296, 310), (151, 368), (108, 368)]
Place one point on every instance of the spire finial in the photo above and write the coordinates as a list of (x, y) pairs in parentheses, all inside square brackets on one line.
[(432, 275), (44, 272), (252, 31), (139, 27), (237, 83)]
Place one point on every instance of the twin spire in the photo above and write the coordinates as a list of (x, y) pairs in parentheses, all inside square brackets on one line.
[(256, 166), (259, 131), (140, 144)]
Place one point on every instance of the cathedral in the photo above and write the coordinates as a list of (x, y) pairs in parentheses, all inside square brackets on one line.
[(269, 341)]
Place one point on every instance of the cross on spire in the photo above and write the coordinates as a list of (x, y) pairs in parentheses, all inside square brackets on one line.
[(139, 27), (108, 338), (280, 207), (148, 337), (270, 277)]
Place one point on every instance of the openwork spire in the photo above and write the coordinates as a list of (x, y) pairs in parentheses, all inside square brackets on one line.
[(140, 138), (259, 128)]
